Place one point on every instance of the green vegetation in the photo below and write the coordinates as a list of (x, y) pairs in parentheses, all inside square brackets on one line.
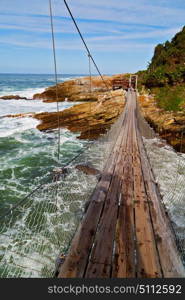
[(165, 75), (170, 98)]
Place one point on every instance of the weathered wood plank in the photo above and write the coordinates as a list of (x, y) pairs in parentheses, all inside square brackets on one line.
[(101, 256), (148, 263), (77, 259), (170, 260), (125, 231), (124, 258), (103, 245)]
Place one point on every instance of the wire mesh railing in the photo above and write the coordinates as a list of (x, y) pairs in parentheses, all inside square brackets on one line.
[(35, 231), (39, 228), (169, 170)]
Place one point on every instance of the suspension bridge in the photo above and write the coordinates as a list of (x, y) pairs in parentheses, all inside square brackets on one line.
[(125, 230)]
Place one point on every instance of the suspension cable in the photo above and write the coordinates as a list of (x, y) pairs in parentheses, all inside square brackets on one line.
[(90, 90), (9, 211), (90, 74), (82, 38), (57, 98), (56, 74)]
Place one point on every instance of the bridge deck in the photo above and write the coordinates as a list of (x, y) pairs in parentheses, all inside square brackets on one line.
[(125, 231)]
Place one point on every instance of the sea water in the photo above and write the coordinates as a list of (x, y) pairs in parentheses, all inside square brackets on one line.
[(25, 152), (31, 241), (33, 233), (27, 160), (26, 85)]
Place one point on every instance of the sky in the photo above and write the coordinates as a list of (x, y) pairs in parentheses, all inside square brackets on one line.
[(121, 34)]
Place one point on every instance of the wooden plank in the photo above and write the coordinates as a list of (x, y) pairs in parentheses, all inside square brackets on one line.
[(148, 263), (124, 258), (77, 259), (75, 263), (125, 231), (101, 256), (103, 246), (170, 260)]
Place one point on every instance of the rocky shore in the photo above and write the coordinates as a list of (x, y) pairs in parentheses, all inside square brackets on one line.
[(170, 125), (80, 89), (15, 97), (101, 109), (89, 119)]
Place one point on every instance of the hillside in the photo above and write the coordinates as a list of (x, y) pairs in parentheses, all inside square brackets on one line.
[(163, 89), (165, 75), (167, 66)]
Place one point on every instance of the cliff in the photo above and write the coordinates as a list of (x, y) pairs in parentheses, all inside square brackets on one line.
[(90, 119), (167, 66), (164, 79), (169, 124), (78, 89)]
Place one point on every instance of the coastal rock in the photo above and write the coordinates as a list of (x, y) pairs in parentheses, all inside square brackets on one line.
[(59, 173), (15, 97), (78, 89), (88, 170), (31, 115), (159, 145), (90, 119), (169, 125)]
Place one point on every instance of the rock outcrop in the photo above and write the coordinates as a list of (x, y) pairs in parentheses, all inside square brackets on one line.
[(78, 89), (169, 125), (23, 115), (89, 119), (15, 97), (88, 169)]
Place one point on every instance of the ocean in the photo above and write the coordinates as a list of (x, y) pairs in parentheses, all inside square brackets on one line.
[(28, 84), (26, 153), (29, 237)]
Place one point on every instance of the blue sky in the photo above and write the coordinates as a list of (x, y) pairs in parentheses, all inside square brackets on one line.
[(121, 34)]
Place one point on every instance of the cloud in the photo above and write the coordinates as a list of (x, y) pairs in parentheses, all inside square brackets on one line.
[(152, 12), (36, 33), (34, 23), (138, 35), (75, 44), (132, 11), (109, 26)]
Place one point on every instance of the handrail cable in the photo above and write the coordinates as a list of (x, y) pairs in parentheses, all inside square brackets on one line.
[(82, 38), (56, 80), (56, 74), (90, 74), (43, 184)]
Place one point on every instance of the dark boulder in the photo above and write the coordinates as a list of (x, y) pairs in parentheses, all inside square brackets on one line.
[(15, 97)]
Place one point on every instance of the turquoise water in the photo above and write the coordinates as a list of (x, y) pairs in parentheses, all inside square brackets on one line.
[(28, 84), (35, 231), (27, 155), (41, 227)]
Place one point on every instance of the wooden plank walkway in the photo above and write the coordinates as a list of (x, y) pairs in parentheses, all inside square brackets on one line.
[(125, 231)]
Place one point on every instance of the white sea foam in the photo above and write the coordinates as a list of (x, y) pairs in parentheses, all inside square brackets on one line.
[(9, 107), (16, 125), (169, 169), (28, 93), (65, 79)]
